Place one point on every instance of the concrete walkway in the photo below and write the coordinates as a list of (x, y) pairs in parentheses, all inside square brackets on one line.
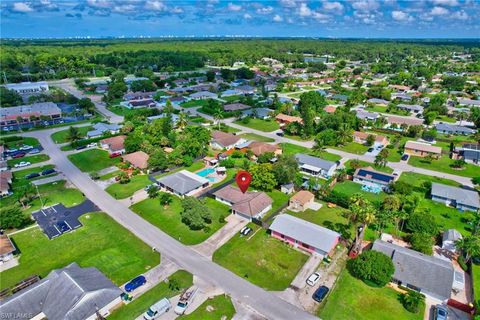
[(58, 177), (219, 238), (138, 196)]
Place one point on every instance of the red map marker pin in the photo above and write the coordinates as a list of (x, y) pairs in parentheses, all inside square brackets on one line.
[(243, 179)]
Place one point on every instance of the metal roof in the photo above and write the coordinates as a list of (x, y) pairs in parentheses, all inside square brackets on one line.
[(305, 159)]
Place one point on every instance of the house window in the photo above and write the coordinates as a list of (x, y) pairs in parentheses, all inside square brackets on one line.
[(304, 245), (282, 236)]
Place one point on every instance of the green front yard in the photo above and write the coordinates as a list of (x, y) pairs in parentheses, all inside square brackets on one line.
[(223, 309), (194, 103), (260, 124), (61, 136), (101, 243), (32, 159), (289, 148), (122, 191), (476, 281), (352, 147), (256, 137), (19, 176), (443, 165), (261, 259), (353, 299), (161, 290), (168, 218), (19, 142), (417, 180), (93, 160)]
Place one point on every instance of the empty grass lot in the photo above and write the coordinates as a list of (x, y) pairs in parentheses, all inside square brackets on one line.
[(122, 191), (194, 103), (353, 299), (262, 260), (222, 309), (417, 180), (101, 243), (161, 290), (289, 148), (168, 218), (353, 147), (61, 136), (256, 137), (32, 159), (443, 165), (21, 141), (260, 124), (93, 160)]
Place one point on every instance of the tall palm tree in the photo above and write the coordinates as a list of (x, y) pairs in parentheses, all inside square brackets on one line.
[(217, 116), (182, 120), (319, 145), (73, 134), (361, 214), (469, 246), (344, 133)]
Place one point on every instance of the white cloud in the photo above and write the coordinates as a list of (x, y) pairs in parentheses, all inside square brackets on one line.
[(365, 5), (155, 6), (21, 7), (234, 7), (124, 8), (401, 16), (333, 6), (460, 15), (277, 18), (176, 9), (100, 3), (265, 10), (247, 16), (320, 17), (288, 3), (304, 10), (439, 11), (450, 3)]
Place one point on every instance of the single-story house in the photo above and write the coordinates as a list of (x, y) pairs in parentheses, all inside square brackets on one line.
[(469, 102), (258, 148), (138, 95), (114, 144), (340, 97), (231, 92), (138, 159), (183, 183), (101, 88), (446, 128), (314, 166), (365, 115), (380, 102), (370, 177), (246, 89), (3, 165), (141, 103), (421, 149), (301, 201), (29, 113), (68, 293), (174, 117), (287, 188), (409, 121), (7, 248), (412, 108), (401, 96), (5, 182), (285, 119), (259, 113), (304, 235), (429, 275), (399, 87), (28, 87), (462, 199), (236, 107), (101, 128), (469, 152), (203, 95), (249, 205), (223, 140), (449, 238), (361, 137)]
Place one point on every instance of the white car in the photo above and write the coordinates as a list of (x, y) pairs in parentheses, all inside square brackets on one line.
[(159, 308), (25, 147), (92, 145), (313, 279), (22, 164)]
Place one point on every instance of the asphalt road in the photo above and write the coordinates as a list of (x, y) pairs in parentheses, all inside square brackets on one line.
[(264, 302)]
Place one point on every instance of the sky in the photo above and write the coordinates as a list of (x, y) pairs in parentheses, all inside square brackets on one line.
[(203, 18)]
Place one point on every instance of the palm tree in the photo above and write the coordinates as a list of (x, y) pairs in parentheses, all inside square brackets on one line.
[(182, 120), (469, 246), (73, 134), (217, 116), (361, 214), (344, 133), (319, 145), (474, 221)]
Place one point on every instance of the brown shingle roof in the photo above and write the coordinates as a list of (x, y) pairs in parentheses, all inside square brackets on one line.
[(114, 143), (224, 139), (423, 147), (235, 107), (406, 120), (6, 246), (259, 148), (137, 159), (302, 197), (248, 203), (287, 118)]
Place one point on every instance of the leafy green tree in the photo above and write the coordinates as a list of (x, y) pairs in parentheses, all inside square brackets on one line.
[(422, 222), (210, 75), (310, 103), (87, 105), (453, 83), (361, 214), (469, 246), (73, 134), (285, 169), (422, 242), (372, 267), (152, 191), (195, 214), (263, 177), (12, 217), (9, 98), (165, 199), (265, 157), (370, 140), (143, 85), (158, 160), (412, 300)]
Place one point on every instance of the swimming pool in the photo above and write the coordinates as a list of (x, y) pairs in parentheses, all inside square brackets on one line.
[(205, 172)]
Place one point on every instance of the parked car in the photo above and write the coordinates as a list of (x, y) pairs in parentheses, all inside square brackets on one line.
[(405, 157), (313, 279), (185, 300), (115, 154), (32, 175), (441, 312), (34, 151), (18, 155), (246, 231), (48, 171), (12, 150), (280, 134), (243, 230), (135, 283), (370, 149), (25, 147), (22, 164), (320, 293), (92, 145), (80, 147), (159, 308)]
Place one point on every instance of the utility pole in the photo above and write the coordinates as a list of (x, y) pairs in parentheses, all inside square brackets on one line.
[(39, 196)]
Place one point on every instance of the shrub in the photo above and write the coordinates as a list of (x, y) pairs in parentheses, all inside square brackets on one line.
[(227, 163), (422, 242), (412, 300), (402, 187), (237, 154), (372, 267), (422, 222)]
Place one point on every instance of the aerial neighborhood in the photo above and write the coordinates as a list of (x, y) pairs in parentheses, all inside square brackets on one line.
[(119, 195)]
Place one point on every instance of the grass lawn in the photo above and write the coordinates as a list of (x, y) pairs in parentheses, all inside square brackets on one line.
[(110, 175), (21, 141), (476, 281), (231, 99), (93, 160), (417, 180), (279, 199), (256, 137), (194, 103), (149, 298), (352, 147), (32, 159), (289, 148), (353, 299), (168, 218), (122, 111), (19, 176), (222, 309), (376, 108), (443, 165), (101, 243), (262, 260), (194, 167), (444, 118), (367, 164), (122, 191), (260, 124), (61, 136), (349, 188)]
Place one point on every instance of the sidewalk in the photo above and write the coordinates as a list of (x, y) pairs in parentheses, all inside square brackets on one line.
[(138, 196)]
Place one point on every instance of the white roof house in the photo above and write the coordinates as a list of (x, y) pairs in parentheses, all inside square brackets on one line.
[(315, 166), (462, 199), (183, 183), (28, 87)]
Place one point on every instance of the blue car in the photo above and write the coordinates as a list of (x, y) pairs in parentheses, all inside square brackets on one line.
[(320, 294), (135, 283)]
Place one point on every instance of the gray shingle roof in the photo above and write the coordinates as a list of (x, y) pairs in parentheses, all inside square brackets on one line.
[(305, 232), (71, 293), (314, 161), (432, 275), (461, 196), (451, 235), (453, 128), (183, 181)]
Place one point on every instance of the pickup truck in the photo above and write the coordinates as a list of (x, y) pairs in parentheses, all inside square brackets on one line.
[(185, 300)]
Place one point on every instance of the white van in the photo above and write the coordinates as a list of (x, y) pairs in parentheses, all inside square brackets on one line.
[(157, 309)]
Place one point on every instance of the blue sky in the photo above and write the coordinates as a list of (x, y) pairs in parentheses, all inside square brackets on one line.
[(289, 18)]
